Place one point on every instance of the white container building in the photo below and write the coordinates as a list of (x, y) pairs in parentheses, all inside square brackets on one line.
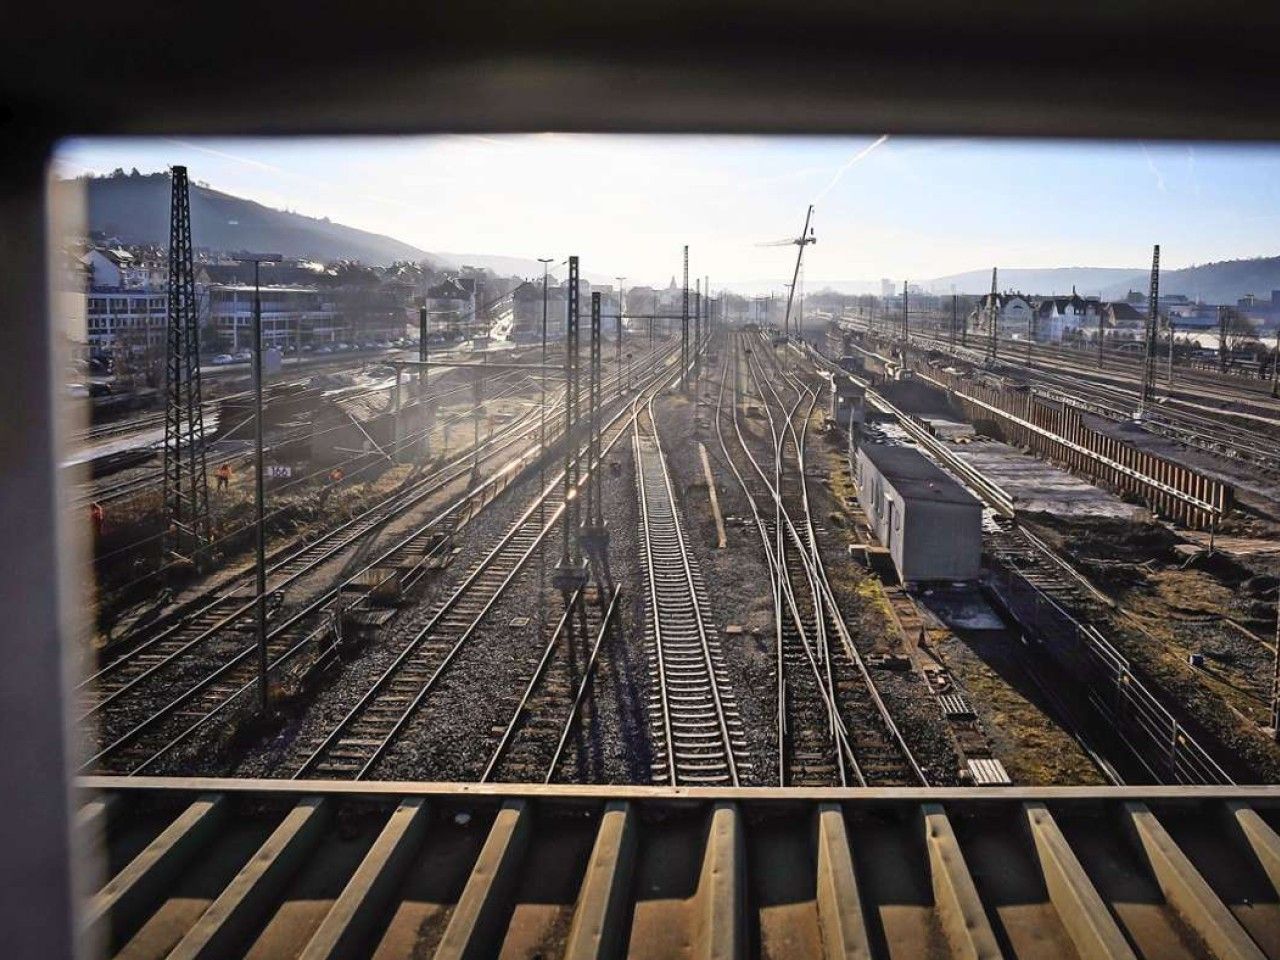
[(930, 525)]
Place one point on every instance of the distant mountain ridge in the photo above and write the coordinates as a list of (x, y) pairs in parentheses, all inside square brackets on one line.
[(136, 209), (1085, 280), (1224, 281)]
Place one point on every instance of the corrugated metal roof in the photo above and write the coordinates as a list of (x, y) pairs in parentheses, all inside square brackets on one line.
[(283, 869)]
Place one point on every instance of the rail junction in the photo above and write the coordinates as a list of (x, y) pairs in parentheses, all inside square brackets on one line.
[(640, 641)]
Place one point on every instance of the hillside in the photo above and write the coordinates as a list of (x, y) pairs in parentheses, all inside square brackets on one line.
[(1086, 280), (1225, 281), (136, 209)]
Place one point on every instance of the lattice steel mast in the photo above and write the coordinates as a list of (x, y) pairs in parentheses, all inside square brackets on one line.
[(186, 484), (993, 317), (1153, 333), (684, 325)]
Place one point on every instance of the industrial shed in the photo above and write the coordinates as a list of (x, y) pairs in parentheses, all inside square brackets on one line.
[(931, 526), (847, 401)]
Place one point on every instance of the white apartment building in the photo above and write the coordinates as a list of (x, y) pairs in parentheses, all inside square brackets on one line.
[(138, 317), (291, 316)]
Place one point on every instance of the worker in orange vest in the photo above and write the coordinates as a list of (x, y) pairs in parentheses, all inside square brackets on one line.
[(96, 516), (224, 476), (335, 475)]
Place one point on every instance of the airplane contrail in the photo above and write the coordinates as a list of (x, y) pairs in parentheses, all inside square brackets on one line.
[(849, 163)]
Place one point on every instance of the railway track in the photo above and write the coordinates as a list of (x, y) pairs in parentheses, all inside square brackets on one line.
[(220, 606), (533, 742), (110, 489), (833, 726), (1227, 432), (229, 605), (353, 747), (1032, 576), (879, 753), (700, 730), (225, 624)]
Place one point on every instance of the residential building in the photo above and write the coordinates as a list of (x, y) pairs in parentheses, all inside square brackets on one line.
[(451, 304), (1014, 312), (138, 317), (1057, 318), (526, 325), (115, 268), (1123, 320)]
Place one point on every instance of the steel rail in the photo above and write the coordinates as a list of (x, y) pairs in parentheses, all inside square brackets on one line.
[(587, 674), (813, 564), (548, 495), (315, 606), (339, 539), (839, 732), (1153, 719), (679, 592), (330, 544)]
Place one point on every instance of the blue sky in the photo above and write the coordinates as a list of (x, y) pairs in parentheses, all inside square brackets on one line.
[(897, 207)]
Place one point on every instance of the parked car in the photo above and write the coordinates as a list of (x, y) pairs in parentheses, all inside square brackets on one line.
[(243, 356), (324, 348), (222, 359)]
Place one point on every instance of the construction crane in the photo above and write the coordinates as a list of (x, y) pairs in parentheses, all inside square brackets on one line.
[(806, 237)]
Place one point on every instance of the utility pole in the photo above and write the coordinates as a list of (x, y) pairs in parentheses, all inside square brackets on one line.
[(906, 322), (1275, 366), (422, 351), (260, 598), (542, 426), (1102, 319), (186, 484), (1169, 368), (697, 329), (1031, 332), (1147, 396), (955, 317), (570, 575), (706, 293), (621, 385), (594, 533), (684, 325), (653, 315), (993, 318)]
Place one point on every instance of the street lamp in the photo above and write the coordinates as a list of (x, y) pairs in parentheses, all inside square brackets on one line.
[(620, 280), (542, 438), (260, 602)]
